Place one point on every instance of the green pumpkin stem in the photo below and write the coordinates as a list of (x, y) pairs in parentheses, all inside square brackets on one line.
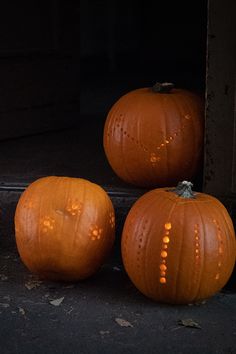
[(164, 87), (184, 190)]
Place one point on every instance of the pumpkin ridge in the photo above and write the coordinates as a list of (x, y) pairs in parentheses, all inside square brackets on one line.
[(197, 273), (177, 283), (143, 273), (169, 218), (228, 233), (38, 228), (77, 223), (202, 252), (165, 202)]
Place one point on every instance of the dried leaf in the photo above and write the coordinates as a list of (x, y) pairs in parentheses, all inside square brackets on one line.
[(123, 323), (71, 286), (116, 269), (188, 322), (7, 298), (4, 305), (198, 303), (3, 277), (32, 284), (21, 311), (57, 302), (104, 332)]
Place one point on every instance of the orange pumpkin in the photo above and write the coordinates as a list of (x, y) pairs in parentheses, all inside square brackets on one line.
[(154, 137), (64, 227), (178, 246)]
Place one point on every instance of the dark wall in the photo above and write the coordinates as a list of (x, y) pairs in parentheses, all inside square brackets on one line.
[(164, 39), (39, 66)]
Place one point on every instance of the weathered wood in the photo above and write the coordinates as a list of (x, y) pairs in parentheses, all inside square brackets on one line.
[(220, 140)]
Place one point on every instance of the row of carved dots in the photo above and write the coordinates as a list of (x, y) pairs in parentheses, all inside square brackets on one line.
[(197, 253), (153, 157), (164, 253), (220, 248)]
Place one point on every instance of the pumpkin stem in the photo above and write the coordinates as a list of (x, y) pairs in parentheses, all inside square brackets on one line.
[(164, 87), (184, 190)]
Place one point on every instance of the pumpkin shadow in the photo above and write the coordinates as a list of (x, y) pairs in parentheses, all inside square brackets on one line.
[(113, 285)]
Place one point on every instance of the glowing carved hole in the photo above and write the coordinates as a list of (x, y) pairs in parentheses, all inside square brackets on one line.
[(163, 267), (167, 141), (197, 251), (165, 246), (187, 116), (112, 219), (217, 276), (171, 138), (162, 144), (163, 273), (95, 233), (166, 239), (74, 207), (168, 226), (154, 158), (162, 280), (220, 250), (48, 223), (163, 254), (164, 261)]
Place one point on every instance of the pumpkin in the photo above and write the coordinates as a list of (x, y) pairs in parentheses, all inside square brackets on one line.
[(153, 137), (64, 227), (178, 246)]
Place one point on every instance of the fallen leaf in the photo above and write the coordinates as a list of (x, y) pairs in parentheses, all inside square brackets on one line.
[(21, 311), (7, 298), (32, 284), (117, 269), (198, 303), (69, 286), (4, 305), (188, 322), (3, 277), (57, 302), (104, 332), (123, 323)]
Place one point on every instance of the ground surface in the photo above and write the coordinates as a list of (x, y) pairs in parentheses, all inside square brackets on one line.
[(104, 314)]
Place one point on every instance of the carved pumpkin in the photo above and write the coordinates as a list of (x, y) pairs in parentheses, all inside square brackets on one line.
[(154, 137), (64, 227), (178, 246)]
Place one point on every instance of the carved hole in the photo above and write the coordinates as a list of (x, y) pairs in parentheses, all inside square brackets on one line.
[(163, 280), (164, 254), (168, 226)]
